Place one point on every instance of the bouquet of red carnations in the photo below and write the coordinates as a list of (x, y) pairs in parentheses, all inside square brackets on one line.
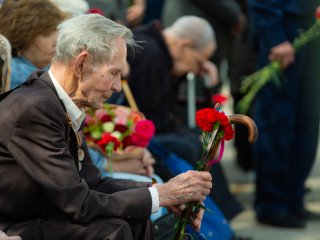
[(115, 127), (216, 128)]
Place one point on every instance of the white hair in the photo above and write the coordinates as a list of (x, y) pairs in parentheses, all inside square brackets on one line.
[(195, 28), (91, 32), (5, 55), (73, 7)]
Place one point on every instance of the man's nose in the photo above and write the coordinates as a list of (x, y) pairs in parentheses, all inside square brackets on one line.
[(117, 86)]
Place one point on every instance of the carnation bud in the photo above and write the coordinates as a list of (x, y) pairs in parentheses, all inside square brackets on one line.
[(318, 13)]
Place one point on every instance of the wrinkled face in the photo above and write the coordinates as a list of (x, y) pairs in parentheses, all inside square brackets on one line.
[(97, 83), (42, 49), (190, 60)]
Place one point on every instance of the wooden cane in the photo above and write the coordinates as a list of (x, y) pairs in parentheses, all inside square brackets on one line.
[(129, 96)]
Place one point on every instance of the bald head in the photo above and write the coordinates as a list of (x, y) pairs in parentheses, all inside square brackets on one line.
[(197, 29), (191, 41)]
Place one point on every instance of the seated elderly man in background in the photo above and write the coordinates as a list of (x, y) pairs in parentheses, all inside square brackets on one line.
[(52, 191)]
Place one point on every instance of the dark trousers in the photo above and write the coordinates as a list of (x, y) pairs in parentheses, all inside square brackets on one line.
[(58, 227), (287, 117)]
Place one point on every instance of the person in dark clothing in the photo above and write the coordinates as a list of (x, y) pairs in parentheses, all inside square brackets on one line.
[(165, 54), (288, 115), (49, 187), (168, 53)]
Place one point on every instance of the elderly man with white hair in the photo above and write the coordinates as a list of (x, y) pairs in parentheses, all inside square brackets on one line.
[(50, 190)]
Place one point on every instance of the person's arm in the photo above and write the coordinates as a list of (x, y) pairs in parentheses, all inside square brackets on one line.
[(39, 146)]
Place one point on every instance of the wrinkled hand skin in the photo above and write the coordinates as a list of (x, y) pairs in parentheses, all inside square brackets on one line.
[(135, 160), (186, 187), (210, 69), (196, 221), (283, 53), (4, 236)]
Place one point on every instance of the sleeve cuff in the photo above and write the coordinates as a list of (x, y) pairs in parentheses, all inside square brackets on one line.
[(155, 199)]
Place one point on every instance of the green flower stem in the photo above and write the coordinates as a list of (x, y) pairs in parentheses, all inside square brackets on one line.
[(192, 208), (109, 150), (252, 84)]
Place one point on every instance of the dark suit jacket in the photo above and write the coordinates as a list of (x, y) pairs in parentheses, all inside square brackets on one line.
[(277, 21), (38, 172)]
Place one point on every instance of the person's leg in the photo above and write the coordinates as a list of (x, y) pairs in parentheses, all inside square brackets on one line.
[(307, 125), (275, 113), (58, 227)]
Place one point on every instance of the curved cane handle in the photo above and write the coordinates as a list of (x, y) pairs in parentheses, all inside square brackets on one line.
[(248, 122)]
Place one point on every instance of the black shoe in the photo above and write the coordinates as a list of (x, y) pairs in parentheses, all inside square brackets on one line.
[(285, 220), (308, 215)]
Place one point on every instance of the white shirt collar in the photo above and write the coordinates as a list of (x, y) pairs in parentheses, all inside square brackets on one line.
[(76, 114)]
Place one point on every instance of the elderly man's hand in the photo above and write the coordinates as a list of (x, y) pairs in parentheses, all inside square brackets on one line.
[(196, 222), (186, 187), (210, 71), (4, 236), (134, 160), (283, 53)]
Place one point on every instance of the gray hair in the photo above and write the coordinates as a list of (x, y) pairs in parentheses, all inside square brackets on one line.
[(5, 55), (91, 32), (195, 28)]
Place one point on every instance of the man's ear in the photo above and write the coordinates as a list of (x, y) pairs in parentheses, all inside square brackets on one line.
[(185, 42), (180, 45), (79, 62)]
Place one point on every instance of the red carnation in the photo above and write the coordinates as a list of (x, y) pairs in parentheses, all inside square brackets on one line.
[(126, 142), (103, 115), (120, 128), (144, 131), (219, 98), (318, 13), (96, 10), (108, 138), (228, 132), (206, 118)]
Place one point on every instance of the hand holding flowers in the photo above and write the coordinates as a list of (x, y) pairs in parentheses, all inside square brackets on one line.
[(254, 82), (120, 133), (216, 128)]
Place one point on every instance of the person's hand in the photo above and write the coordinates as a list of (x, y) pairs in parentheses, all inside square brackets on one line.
[(135, 14), (185, 187), (210, 71), (135, 160), (283, 53), (4, 236), (196, 222)]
